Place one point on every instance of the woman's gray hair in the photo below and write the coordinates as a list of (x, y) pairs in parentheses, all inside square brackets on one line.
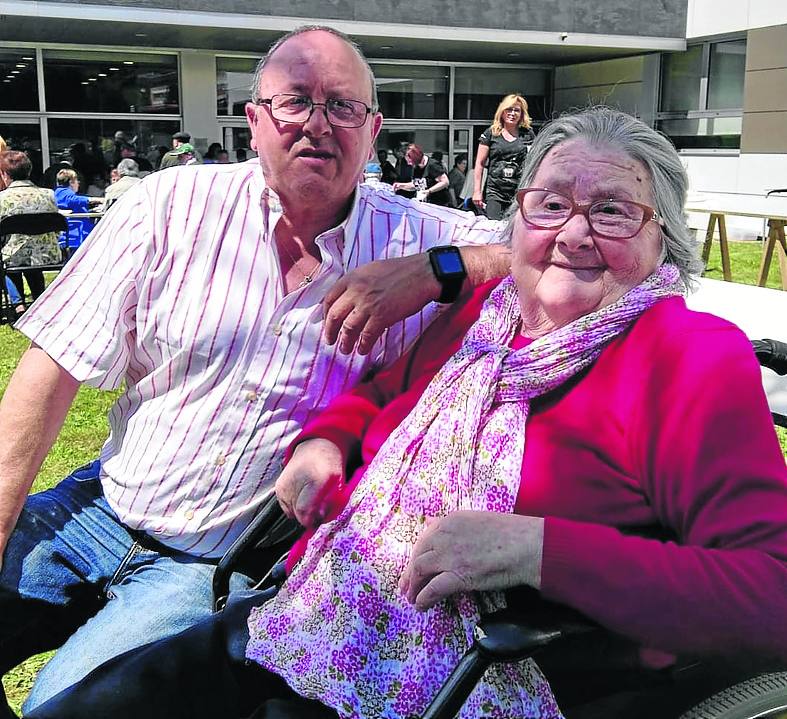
[(255, 83), (128, 168), (601, 125)]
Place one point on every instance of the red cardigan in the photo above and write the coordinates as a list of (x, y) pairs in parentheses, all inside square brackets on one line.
[(667, 435)]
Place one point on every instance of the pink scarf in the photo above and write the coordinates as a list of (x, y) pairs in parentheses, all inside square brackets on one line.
[(339, 631)]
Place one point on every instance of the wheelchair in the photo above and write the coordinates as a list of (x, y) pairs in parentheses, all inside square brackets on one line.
[(593, 672)]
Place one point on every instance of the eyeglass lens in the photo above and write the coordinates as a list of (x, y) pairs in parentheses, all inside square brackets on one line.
[(297, 108), (616, 218)]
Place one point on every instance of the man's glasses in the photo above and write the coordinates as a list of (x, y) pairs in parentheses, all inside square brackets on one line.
[(298, 109), (613, 219)]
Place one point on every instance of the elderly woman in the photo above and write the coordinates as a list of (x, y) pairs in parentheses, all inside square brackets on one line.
[(21, 197), (571, 428), (67, 198), (127, 177)]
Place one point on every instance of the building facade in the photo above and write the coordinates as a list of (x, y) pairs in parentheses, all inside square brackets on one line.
[(78, 72), (711, 74)]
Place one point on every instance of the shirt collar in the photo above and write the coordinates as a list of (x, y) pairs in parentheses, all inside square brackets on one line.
[(272, 210)]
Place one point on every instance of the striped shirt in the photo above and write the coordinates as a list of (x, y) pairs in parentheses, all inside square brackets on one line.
[(178, 293)]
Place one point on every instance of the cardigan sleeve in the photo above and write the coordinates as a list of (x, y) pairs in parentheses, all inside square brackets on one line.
[(715, 476)]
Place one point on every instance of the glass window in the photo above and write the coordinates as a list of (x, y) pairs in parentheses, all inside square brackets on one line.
[(94, 146), (233, 80), (681, 73), (703, 133), (409, 91), (25, 136), (727, 69), (237, 142), (20, 80), (81, 81), (478, 91)]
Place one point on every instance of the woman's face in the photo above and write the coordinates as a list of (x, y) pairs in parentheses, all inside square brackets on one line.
[(512, 114), (564, 273), (408, 158), (74, 184)]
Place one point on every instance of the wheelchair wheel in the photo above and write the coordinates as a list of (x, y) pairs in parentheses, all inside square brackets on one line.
[(761, 697)]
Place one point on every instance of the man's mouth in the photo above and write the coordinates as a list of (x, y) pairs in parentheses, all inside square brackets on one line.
[(316, 153)]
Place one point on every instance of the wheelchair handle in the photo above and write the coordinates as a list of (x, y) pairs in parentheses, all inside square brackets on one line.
[(270, 513), (771, 354)]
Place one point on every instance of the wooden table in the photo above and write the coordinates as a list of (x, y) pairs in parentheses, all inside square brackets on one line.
[(772, 209)]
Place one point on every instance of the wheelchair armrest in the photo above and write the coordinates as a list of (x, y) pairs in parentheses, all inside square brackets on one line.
[(771, 354)]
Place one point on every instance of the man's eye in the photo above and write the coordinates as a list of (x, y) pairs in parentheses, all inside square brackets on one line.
[(344, 105), (296, 101)]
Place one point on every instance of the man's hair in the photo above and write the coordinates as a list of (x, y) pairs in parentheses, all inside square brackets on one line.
[(604, 126), (128, 168), (16, 165), (64, 177), (255, 86), (461, 157)]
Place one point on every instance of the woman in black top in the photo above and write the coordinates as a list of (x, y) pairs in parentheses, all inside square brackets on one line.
[(430, 181), (504, 145)]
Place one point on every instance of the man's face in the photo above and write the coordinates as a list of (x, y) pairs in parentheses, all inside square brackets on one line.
[(175, 143), (313, 160)]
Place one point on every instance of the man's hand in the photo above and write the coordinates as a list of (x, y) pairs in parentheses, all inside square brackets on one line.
[(467, 551), (311, 476), (478, 201), (363, 303)]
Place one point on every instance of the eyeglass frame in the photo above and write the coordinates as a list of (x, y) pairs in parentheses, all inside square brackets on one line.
[(324, 105), (583, 208)]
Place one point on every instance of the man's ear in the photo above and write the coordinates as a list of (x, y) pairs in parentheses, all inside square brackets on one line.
[(377, 123), (251, 119)]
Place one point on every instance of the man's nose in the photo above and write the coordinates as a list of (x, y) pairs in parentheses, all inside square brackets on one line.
[(317, 124)]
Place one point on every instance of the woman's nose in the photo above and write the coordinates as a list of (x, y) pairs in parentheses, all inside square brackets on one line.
[(576, 233)]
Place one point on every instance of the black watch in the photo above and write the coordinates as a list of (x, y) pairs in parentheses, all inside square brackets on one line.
[(449, 270)]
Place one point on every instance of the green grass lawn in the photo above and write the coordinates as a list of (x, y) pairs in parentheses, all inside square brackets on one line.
[(86, 428)]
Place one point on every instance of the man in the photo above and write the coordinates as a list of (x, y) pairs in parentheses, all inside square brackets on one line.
[(127, 176), (172, 158), (206, 297), (456, 178)]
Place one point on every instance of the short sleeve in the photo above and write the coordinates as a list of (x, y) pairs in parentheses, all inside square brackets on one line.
[(486, 137), (85, 320)]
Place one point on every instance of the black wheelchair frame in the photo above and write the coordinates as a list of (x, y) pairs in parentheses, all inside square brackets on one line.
[(543, 630)]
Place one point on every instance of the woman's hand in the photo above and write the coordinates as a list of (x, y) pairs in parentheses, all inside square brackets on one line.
[(307, 483), (468, 551)]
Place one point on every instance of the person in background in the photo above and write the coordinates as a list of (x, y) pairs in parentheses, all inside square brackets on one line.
[(502, 149), (129, 152), (67, 199), (170, 159), (456, 179), (186, 155), (127, 173), (222, 157), (211, 155), (388, 175), (19, 197), (241, 154), (437, 156), (14, 297), (430, 183)]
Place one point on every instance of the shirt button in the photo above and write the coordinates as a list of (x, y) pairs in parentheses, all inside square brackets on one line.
[(251, 396), (277, 330), (221, 459), (189, 514)]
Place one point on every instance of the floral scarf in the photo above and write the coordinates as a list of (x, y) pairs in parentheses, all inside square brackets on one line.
[(339, 630)]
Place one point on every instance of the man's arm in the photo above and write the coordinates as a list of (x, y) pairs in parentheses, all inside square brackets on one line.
[(363, 303), (32, 412)]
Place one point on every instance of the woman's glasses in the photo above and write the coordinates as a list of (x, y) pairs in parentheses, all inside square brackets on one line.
[(614, 219)]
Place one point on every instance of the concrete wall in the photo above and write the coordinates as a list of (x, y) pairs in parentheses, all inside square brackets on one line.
[(198, 101), (765, 92), (629, 84), (666, 18), (714, 17)]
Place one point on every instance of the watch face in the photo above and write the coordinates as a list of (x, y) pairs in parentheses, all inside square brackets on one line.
[(450, 262)]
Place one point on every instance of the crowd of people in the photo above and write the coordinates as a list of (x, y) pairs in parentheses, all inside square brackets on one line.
[(454, 407)]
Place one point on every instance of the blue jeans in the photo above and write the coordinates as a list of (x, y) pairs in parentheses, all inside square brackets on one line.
[(74, 575), (13, 293)]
